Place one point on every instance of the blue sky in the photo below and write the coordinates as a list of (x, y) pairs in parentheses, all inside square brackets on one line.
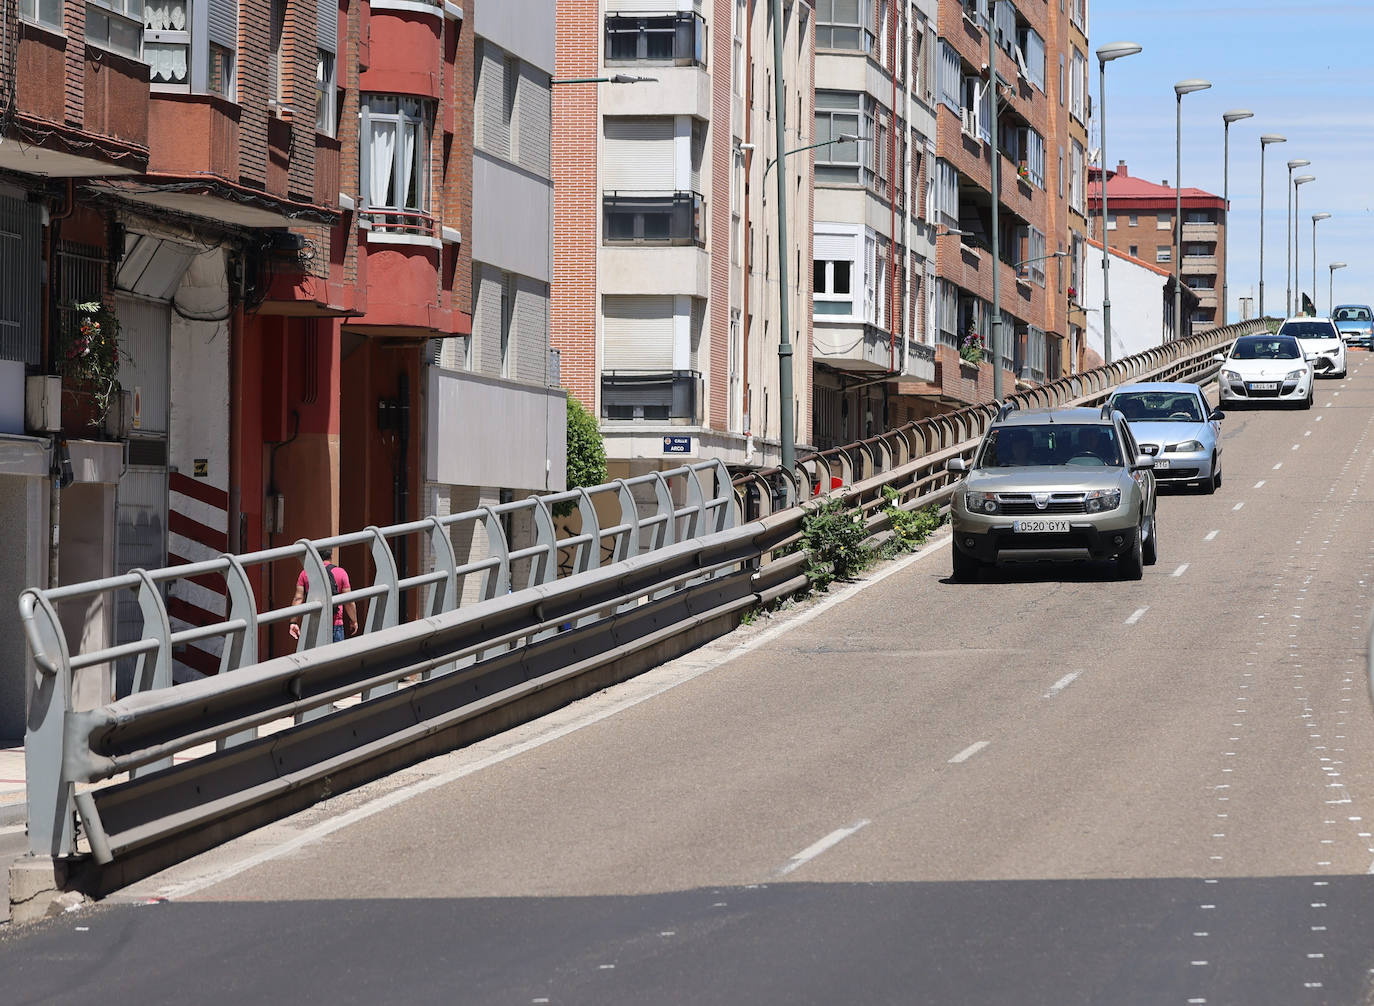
[(1307, 72)]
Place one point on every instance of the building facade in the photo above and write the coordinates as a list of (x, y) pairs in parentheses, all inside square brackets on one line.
[(665, 302), (273, 204), (1141, 223)]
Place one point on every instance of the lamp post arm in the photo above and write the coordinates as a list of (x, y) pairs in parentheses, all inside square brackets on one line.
[(810, 146)]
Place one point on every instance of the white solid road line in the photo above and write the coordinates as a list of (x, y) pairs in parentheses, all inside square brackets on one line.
[(812, 851), (1061, 684), (1136, 615), (969, 752), (1180, 571)]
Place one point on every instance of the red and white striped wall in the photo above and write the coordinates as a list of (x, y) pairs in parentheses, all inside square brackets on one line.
[(197, 529)]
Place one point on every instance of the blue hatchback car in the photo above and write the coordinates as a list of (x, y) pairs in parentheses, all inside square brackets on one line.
[(1355, 322)]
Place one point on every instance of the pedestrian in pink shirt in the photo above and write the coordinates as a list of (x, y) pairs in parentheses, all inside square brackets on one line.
[(339, 586)]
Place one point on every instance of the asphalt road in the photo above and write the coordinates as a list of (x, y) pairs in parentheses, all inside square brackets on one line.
[(1048, 787)]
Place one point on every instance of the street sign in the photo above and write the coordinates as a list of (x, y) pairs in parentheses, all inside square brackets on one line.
[(677, 445)]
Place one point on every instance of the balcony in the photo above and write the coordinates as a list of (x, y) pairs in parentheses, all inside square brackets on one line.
[(673, 38), (1204, 231), (1199, 264), (651, 395), (652, 218)]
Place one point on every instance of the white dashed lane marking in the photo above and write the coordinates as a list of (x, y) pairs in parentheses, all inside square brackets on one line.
[(1180, 571), (1238, 505), (1259, 484), (1061, 684), (1136, 615), (812, 851), (1211, 535), (969, 752)]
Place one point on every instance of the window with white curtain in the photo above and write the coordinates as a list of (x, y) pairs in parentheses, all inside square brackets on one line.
[(395, 156), (1078, 77), (167, 44)]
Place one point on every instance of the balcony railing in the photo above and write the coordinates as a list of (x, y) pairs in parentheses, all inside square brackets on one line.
[(645, 394), (677, 37), (665, 218), (396, 221)]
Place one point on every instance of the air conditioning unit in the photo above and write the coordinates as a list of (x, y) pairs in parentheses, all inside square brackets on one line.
[(43, 404)]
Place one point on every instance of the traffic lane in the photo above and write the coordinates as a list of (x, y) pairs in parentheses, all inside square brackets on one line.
[(1020, 943), (630, 821)]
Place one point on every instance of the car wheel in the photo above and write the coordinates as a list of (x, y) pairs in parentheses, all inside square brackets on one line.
[(1307, 403), (1131, 565), (965, 567), (1149, 551), (1213, 483)]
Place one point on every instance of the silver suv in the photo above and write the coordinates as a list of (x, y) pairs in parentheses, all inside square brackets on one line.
[(1059, 484)]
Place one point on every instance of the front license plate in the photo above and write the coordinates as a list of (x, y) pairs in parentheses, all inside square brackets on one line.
[(1161, 462), (1040, 526), (1264, 386)]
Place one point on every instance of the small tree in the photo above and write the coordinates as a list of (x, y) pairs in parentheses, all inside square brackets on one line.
[(586, 452)]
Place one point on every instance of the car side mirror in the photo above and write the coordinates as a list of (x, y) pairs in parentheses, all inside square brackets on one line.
[(1218, 415), (956, 465), (1218, 358), (1143, 463)]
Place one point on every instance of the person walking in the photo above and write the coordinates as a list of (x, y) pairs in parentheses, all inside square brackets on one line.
[(342, 612)]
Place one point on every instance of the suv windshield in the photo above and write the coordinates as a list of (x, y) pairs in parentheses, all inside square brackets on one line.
[(1352, 314), (1159, 406), (1093, 444), (1308, 329), (1259, 347)]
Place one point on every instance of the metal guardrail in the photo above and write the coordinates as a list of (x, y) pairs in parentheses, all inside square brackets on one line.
[(595, 605)]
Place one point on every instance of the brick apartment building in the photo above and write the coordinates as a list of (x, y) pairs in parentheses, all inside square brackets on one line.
[(1140, 223), (666, 292), (287, 209)]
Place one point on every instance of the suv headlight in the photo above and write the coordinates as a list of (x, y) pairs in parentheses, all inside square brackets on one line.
[(1100, 500), (1295, 375), (1187, 447), (981, 502), (1231, 376)]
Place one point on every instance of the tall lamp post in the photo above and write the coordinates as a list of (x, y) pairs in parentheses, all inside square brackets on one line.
[(1105, 54), (1265, 140), (1235, 115), (1297, 291), (1180, 89), (1297, 162), (1331, 281), (995, 180), (1317, 217)]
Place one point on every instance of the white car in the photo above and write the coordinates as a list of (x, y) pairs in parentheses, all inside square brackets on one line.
[(1265, 368), (1321, 343)]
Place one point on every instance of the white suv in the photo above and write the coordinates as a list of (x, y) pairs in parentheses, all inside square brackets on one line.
[(1321, 343)]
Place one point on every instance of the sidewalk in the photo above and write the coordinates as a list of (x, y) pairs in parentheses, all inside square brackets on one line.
[(12, 799)]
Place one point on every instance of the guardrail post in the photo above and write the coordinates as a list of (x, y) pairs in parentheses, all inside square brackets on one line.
[(497, 580), (696, 505), (241, 647), (588, 554), (726, 515), (443, 594), (664, 533), (317, 627), (154, 673), (51, 813), (628, 542)]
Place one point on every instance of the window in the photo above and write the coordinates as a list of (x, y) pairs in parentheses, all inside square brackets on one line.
[(1163, 253), (396, 159), (841, 113), (658, 38), (1164, 221), (1134, 251), (1111, 221), (1061, 170), (1134, 219), (946, 194), (325, 89), (1078, 85), (44, 12), (832, 286), (1032, 155), (1076, 177), (116, 25), (221, 79), (1032, 48), (842, 24), (951, 79), (1198, 217), (275, 53), (507, 320), (976, 109), (1061, 80), (167, 45)]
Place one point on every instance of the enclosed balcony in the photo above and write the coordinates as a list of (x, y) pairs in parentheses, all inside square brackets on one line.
[(652, 218), (651, 395), (676, 38)]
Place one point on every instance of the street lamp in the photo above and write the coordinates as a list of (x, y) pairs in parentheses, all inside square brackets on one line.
[(1315, 218), (1297, 291), (1235, 115), (1180, 89), (1105, 54), (618, 78), (1299, 162), (842, 138), (1330, 281), (1265, 140)]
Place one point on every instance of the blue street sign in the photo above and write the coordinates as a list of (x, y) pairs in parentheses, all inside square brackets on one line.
[(677, 445)]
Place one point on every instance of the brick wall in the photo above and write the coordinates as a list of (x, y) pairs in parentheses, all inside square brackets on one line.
[(575, 227)]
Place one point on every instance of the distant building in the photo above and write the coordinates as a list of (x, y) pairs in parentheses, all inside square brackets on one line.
[(1140, 222), (1142, 306)]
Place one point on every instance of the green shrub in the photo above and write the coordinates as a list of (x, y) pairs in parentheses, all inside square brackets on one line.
[(586, 453), (910, 528), (834, 538)]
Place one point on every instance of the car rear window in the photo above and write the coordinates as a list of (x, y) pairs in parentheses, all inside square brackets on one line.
[(1159, 406), (1309, 329), (1259, 347), (1352, 314), (1025, 446)]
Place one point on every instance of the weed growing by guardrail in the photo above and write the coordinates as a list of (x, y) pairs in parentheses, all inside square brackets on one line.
[(910, 528), (835, 540)]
